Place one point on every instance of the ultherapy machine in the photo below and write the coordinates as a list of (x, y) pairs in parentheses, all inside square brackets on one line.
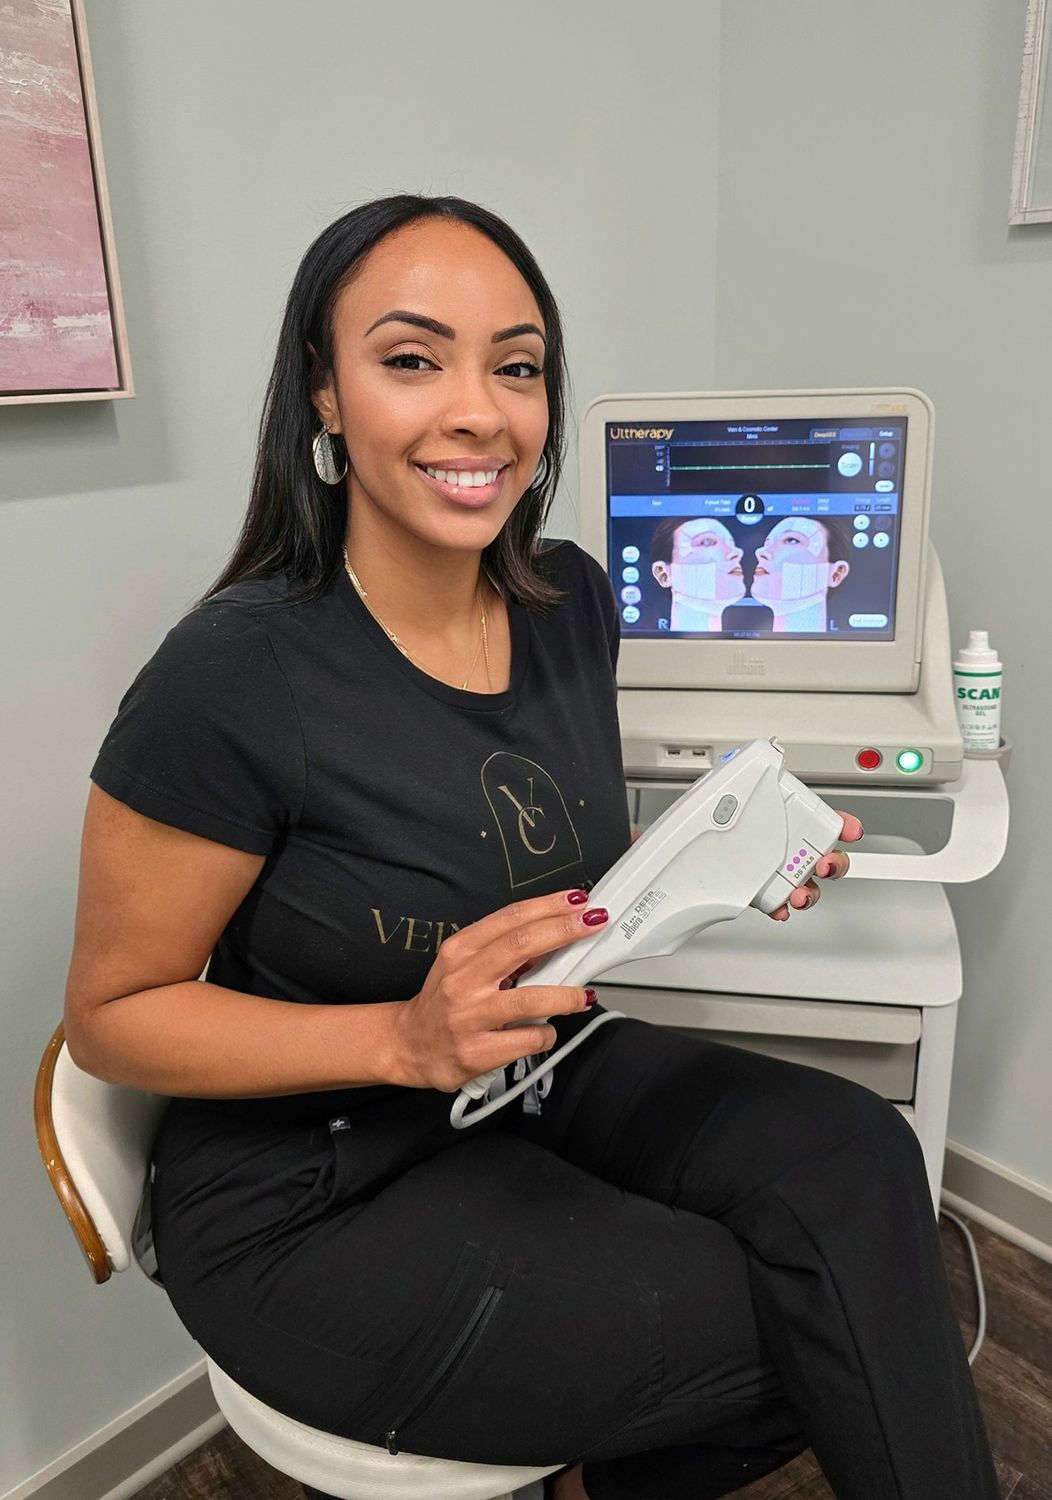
[(770, 557)]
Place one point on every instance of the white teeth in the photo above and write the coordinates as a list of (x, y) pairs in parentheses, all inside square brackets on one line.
[(466, 478)]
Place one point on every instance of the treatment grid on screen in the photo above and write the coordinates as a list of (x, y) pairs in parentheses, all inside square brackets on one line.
[(772, 529)]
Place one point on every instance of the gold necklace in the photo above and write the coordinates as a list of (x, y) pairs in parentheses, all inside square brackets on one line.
[(483, 641)]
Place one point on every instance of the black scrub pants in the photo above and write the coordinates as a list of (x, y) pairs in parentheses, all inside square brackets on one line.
[(695, 1263)]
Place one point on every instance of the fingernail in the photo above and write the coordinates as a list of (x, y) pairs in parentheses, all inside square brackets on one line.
[(576, 897), (590, 997), (595, 916), (825, 871), (861, 831)]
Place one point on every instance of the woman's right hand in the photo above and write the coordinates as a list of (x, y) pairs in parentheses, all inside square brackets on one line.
[(452, 1030)]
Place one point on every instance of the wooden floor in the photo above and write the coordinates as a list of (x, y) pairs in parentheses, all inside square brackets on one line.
[(1012, 1373)]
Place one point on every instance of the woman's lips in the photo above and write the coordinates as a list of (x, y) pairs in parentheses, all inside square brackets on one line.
[(472, 497)]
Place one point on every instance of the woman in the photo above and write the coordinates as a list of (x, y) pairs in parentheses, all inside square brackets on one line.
[(374, 775)]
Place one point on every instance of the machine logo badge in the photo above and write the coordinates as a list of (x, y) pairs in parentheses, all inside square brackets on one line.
[(746, 666)]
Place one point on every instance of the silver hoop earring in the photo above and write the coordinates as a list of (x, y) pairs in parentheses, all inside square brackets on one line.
[(541, 474), (325, 458)]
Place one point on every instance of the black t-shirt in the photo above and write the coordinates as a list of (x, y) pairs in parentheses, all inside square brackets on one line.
[(392, 809)]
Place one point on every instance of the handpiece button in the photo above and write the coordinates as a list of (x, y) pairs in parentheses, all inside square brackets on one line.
[(725, 809)]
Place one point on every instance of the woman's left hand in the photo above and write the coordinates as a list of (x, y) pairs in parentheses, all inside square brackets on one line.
[(832, 866)]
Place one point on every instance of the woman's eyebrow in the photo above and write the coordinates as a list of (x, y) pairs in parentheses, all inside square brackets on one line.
[(443, 330)]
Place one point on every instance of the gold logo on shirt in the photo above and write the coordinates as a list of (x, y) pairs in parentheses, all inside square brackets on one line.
[(422, 935), (531, 817)]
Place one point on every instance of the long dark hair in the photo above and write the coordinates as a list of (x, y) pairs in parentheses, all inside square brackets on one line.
[(295, 522)]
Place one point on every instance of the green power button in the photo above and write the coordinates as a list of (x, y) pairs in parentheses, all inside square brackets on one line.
[(909, 760)]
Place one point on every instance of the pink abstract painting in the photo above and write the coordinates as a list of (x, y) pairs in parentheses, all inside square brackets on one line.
[(56, 326)]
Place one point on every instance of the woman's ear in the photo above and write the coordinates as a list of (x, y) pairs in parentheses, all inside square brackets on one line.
[(323, 396)]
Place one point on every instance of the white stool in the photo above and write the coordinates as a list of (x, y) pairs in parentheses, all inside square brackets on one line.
[(95, 1139)]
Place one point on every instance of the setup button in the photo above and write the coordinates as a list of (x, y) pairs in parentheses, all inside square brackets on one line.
[(725, 809)]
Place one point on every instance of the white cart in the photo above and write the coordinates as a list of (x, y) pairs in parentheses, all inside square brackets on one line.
[(866, 984)]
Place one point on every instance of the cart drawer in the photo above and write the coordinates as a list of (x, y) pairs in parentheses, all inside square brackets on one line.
[(873, 1045)]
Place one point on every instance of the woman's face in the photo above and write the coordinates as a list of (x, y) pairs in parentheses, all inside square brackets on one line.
[(462, 395), (705, 565), (793, 561)]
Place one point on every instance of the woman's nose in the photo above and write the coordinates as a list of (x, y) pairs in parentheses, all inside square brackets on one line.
[(472, 407)]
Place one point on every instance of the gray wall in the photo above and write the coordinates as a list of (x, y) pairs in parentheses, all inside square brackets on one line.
[(865, 161), (232, 134)]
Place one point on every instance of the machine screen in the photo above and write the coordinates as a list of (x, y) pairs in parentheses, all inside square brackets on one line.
[(778, 529)]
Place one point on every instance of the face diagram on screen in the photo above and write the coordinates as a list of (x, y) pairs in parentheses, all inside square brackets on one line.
[(769, 529), (703, 573), (795, 570)]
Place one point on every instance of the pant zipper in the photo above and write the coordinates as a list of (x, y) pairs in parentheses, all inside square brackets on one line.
[(460, 1349)]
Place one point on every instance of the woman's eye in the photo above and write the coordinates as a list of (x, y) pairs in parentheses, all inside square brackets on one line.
[(532, 370), (395, 361)]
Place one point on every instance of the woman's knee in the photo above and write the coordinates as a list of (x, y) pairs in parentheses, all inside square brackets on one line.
[(850, 1110), (806, 1112)]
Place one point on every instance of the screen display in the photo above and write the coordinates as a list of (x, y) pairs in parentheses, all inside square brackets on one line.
[(777, 529)]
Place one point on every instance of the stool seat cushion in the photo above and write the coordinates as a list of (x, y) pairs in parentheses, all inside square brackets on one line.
[(358, 1471)]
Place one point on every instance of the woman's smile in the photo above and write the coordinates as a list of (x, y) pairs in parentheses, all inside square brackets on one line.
[(466, 491)]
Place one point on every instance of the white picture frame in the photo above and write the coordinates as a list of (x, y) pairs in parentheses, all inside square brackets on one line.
[(69, 78), (1032, 160)]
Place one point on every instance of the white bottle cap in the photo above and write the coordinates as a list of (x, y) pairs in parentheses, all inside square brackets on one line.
[(977, 653)]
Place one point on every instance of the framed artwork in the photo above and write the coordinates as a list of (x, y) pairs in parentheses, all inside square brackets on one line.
[(1032, 163), (62, 333)]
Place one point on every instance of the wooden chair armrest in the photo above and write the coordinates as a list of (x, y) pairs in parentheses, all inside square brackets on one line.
[(81, 1222)]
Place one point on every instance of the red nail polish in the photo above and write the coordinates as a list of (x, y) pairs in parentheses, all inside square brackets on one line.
[(595, 916), (590, 997), (576, 897)]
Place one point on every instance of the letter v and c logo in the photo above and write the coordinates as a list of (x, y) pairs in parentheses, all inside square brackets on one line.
[(531, 817)]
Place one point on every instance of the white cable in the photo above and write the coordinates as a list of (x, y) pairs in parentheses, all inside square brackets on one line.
[(459, 1120), (979, 1291)]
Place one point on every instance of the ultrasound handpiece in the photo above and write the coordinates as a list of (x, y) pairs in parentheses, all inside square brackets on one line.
[(747, 834)]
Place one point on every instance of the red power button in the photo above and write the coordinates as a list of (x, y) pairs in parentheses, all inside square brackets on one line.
[(869, 760)]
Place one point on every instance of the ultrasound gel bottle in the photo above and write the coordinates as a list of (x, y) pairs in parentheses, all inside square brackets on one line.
[(977, 689)]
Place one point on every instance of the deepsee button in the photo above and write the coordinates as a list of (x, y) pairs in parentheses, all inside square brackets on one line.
[(725, 809)]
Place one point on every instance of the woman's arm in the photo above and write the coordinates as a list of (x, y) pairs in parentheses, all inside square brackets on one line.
[(151, 905)]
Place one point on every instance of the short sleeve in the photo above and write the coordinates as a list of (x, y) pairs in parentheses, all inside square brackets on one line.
[(207, 738), (603, 590)]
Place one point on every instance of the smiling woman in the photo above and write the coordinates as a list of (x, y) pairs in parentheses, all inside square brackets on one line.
[(370, 779), (467, 369)]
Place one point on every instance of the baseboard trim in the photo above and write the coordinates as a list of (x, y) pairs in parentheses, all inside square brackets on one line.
[(135, 1448), (1011, 1206)]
